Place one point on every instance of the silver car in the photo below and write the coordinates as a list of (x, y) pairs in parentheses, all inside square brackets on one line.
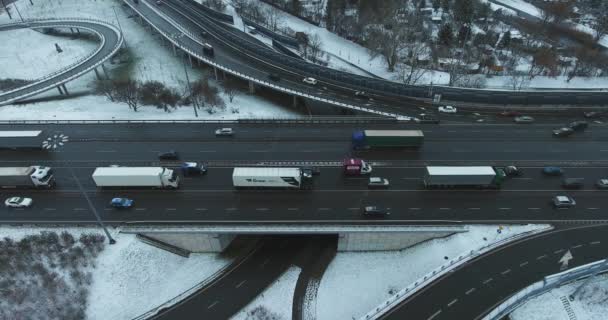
[(377, 183), (563, 202), (224, 132), (18, 202), (523, 119)]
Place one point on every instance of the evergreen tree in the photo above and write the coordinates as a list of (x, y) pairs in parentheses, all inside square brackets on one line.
[(436, 4), (463, 11), (506, 39), (445, 5), (446, 35)]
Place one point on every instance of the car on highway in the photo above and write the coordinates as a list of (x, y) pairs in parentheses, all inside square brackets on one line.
[(427, 118), (523, 119), (578, 125), (224, 132), (168, 155), (553, 171), (563, 202), (602, 183), (375, 211), (573, 183), (362, 95), (18, 202), (510, 113), (204, 34), (121, 203), (512, 171), (193, 168), (563, 132), (311, 171), (378, 183), (158, 2), (447, 109), (592, 114), (309, 80), (274, 76)]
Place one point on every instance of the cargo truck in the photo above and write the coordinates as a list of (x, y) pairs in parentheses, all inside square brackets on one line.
[(31, 139), (27, 177), (133, 177), (271, 178), (356, 167), (370, 139), (464, 176)]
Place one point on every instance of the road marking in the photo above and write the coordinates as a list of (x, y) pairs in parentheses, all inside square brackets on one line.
[(265, 262), (558, 251), (541, 257), (230, 209), (293, 209), (487, 281), (107, 209), (414, 208), (452, 302), (241, 283), (434, 315), (445, 208), (105, 151), (261, 209), (140, 209), (353, 208), (79, 209), (212, 305), (504, 208), (207, 151), (170, 209), (411, 178), (533, 208), (523, 264), (594, 243), (522, 178), (469, 291), (592, 208), (259, 151), (505, 272), (201, 209), (578, 246), (473, 208), (50, 209), (323, 209)]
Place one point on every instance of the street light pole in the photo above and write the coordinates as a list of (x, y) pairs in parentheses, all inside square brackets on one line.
[(92, 207)]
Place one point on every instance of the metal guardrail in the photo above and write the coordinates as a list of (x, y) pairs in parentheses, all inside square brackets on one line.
[(195, 53), (540, 287), (405, 293), (308, 120), (82, 72)]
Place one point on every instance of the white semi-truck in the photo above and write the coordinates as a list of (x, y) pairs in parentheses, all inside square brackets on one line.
[(27, 177), (133, 177), (21, 139), (271, 178), (464, 176)]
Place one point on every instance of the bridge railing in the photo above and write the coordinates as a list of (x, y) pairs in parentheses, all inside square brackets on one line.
[(405, 293), (307, 120), (72, 66), (547, 284)]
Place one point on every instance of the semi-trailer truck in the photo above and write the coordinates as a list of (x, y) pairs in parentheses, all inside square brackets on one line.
[(271, 178), (369, 139), (132, 177), (464, 176), (22, 139), (27, 177), (356, 167)]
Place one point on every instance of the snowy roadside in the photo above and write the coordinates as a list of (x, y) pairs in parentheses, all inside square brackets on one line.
[(352, 285), (589, 305), (275, 302), (131, 277)]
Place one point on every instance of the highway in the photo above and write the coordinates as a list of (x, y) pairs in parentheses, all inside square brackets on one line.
[(475, 289), (335, 197)]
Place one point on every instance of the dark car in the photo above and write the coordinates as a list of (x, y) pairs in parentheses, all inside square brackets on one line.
[(512, 171), (510, 113), (375, 211), (563, 132), (578, 125), (553, 171), (169, 155), (274, 77), (310, 171), (122, 203), (426, 118), (573, 183), (362, 95), (204, 34), (592, 114), (193, 168), (602, 183)]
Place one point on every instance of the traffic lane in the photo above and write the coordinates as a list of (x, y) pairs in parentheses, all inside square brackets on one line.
[(326, 205), (474, 289)]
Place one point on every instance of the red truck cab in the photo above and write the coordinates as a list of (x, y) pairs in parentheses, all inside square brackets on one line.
[(356, 167)]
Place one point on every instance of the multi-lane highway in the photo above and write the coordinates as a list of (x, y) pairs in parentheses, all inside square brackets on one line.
[(334, 197)]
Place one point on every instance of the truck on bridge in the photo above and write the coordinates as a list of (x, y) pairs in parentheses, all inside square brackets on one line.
[(356, 167), (370, 139), (27, 177), (134, 177), (271, 178), (464, 176), (21, 139)]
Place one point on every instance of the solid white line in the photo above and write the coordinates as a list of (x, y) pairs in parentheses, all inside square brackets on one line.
[(592, 208), (414, 208), (323, 209), (452, 302), (473, 208), (445, 208), (105, 151), (353, 208), (558, 251), (230, 209), (434, 315)]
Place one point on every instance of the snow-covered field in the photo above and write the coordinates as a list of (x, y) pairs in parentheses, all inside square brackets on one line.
[(150, 61), (275, 302), (355, 283), (590, 303), (131, 277)]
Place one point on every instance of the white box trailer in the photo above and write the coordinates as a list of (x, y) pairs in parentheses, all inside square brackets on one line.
[(26, 177), (455, 176), (21, 139), (151, 177), (280, 178)]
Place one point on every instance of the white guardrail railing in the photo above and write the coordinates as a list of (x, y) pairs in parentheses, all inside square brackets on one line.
[(405, 293), (345, 119), (68, 23), (540, 287), (174, 39)]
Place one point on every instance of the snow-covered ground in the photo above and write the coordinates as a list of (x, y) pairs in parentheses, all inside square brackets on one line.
[(357, 282), (131, 277), (276, 302), (150, 60), (590, 303)]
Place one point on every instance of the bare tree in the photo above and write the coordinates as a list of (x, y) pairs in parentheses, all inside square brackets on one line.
[(411, 70), (314, 46), (516, 79), (217, 5), (544, 59), (230, 88), (273, 18), (557, 11), (106, 88), (600, 25), (127, 91)]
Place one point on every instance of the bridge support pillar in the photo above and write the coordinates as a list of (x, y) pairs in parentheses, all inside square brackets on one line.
[(174, 49), (190, 58), (72, 30), (97, 74), (295, 101), (251, 87), (77, 30), (65, 89), (215, 73), (60, 91), (105, 72)]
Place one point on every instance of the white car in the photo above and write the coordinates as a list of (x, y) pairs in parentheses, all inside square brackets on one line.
[(378, 182), (18, 202), (447, 109), (310, 80), (227, 132)]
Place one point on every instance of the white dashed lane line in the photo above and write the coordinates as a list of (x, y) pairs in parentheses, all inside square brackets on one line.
[(452, 302), (469, 291)]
